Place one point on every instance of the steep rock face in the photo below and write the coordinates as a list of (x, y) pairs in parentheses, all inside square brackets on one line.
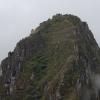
[(60, 60)]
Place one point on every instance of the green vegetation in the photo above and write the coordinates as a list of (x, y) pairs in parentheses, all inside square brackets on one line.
[(50, 66)]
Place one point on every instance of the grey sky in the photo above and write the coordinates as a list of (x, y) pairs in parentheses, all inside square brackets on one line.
[(18, 17)]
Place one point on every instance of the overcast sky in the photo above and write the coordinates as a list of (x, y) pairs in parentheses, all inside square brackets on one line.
[(18, 17)]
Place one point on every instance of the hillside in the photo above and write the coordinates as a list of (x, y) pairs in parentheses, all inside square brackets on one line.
[(60, 60)]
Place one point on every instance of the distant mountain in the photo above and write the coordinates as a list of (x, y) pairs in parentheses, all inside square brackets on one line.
[(60, 60)]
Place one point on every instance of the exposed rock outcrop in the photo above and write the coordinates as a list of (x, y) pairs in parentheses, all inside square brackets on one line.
[(60, 60)]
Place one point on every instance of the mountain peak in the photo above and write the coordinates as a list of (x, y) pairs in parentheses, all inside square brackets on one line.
[(60, 60), (60, 20)]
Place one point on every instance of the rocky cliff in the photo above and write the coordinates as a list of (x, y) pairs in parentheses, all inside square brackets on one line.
[(60, 60)]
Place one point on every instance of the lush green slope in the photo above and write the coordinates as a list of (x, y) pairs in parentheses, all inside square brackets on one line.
[(51, 61)]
